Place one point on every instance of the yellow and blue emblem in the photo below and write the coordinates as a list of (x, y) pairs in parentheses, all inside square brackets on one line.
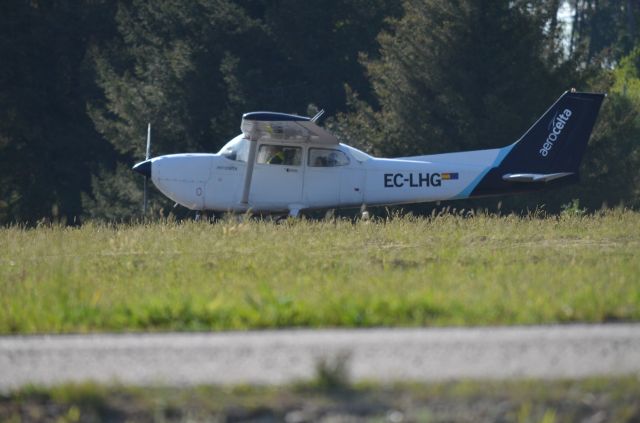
[(448, 176)]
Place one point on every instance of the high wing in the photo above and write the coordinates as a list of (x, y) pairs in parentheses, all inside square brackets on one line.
[(258, 126)]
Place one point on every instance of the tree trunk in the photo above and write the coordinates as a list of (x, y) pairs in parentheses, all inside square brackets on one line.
[(631, 22)]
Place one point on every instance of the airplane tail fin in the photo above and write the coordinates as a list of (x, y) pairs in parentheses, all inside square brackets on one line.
[(551, 150)]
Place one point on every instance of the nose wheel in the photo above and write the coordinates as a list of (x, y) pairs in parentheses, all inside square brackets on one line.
[(364, 213)]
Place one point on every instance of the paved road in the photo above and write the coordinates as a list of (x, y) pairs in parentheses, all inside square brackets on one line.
[(274, 357)]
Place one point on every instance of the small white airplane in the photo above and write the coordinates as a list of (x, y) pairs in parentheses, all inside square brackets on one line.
[(286, 164)]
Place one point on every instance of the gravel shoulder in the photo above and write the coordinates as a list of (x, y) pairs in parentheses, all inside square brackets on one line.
[(287, 356)]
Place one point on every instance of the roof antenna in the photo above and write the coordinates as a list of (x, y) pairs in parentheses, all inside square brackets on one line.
[(317, 116)]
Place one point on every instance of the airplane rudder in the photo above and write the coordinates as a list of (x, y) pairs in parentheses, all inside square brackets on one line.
[(572, 141), (556, 142)]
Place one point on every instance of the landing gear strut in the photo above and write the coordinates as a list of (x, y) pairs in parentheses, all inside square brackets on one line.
[(364, 213)]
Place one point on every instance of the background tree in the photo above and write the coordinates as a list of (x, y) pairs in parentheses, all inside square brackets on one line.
[(48, 145), (610, 169), (193, 67), (321, 42), (603, 29), (459, 75)]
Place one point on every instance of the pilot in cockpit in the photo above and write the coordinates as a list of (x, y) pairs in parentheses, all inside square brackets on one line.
[(278, 157), (332, 160)]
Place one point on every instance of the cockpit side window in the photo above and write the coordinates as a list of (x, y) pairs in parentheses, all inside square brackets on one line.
[(237, 149), (324, 157), (279, 155)]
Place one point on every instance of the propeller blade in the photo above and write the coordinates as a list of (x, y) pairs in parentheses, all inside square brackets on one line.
[(146, 157), (145, 169)]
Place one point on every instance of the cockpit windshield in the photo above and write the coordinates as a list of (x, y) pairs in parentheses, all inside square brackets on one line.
[(360, 156), (237, 149)]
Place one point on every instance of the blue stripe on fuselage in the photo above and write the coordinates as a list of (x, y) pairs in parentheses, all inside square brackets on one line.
[(469, 189)]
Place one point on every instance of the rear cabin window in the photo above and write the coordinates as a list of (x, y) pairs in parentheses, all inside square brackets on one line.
[(324, 157), (280, 155)]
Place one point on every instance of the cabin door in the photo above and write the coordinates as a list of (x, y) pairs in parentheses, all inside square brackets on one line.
[(278, 176)]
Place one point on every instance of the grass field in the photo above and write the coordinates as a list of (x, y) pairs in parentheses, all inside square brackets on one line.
[(403, 271), (594, 400)]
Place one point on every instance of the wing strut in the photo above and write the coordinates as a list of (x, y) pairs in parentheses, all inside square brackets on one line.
[(253, 145)]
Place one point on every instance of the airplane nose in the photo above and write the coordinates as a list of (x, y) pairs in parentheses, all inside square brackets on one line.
[(143, 168)]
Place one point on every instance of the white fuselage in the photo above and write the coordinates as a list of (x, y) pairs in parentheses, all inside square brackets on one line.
[(216, 181), (287, 163)]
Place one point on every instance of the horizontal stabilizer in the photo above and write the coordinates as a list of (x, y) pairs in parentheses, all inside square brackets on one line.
[(534, 177)]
